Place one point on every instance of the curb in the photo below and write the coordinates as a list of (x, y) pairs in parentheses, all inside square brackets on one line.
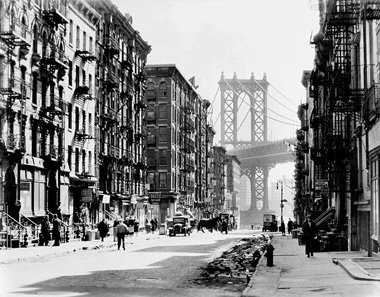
[(250, 284), (354, 270)]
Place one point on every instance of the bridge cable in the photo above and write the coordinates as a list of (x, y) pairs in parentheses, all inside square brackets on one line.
[(283, 95), (272, 98), (244, 119), (295, 123), (267, 106)]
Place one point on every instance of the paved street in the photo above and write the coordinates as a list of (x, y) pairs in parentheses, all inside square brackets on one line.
[(152, 265)]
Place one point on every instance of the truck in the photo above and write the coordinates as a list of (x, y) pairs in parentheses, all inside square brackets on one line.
[(269, 223)]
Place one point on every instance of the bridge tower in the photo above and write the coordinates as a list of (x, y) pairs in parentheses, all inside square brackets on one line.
[(233, 91)]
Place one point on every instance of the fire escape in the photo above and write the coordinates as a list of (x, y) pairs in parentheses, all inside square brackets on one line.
[(187, 147), (14, 86), (53, 66), (337, 104)]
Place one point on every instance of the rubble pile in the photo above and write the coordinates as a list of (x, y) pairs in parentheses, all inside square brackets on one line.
[(239, 260)]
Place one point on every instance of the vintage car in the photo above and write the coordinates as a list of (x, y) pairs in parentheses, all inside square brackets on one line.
[(269, 223), (180, 225)]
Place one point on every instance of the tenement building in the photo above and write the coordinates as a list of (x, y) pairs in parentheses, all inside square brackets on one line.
[(343, 190), (176, 143), (120, 108), (72, 108)]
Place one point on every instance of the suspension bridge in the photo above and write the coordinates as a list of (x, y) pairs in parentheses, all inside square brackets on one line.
[(250, 112)]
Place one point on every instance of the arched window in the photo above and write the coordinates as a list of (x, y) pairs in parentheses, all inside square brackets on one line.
[(163, 87), (150, 86)]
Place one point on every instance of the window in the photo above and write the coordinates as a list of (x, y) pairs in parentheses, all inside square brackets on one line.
[(78, 38), (162, 111), (90, 162), (70, 73), (34, 90), (34, 138), (375, 195), (84, 41), (35, 39), (76, 159), (69, 153), (83, 77), (162, 179), (162, 155), (163, 88), (84, 120), (71, 32), (90, 83), (150, 178), (70, 116), (77, 118), (84, 161), (76, 76), (162, 134), (90, 45)]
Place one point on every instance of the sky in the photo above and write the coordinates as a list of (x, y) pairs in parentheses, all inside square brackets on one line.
[(207, 37)]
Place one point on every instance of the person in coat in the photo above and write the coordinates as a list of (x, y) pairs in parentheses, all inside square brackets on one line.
[(309, 230), (153, 224), (56, 230), (136, 226), (224, 226), (290, 226), (121, 230), (103, 229), (45, 231)]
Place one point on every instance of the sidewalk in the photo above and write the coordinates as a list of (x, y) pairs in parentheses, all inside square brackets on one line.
[(8, 256), (327, 273)]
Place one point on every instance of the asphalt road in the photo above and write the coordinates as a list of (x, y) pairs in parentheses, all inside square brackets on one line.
[(160, 266)]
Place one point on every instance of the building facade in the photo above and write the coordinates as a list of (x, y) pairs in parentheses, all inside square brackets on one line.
[(176, 143), (72, 107), (120, 109), (33, 67), (343, 88)]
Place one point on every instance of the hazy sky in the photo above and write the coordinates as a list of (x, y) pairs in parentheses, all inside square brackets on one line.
[(205, 37)]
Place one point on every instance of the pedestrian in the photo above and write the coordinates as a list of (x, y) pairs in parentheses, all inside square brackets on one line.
[(136, 226), (309, 230), (121, 230), (115, 223), (290, 226), (283, 228), (56, 230), (224, 226), (103, 229), (153, 225), (269, 253), (45, 231)]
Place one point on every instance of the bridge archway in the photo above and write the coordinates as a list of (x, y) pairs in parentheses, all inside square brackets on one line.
[(245, 193)]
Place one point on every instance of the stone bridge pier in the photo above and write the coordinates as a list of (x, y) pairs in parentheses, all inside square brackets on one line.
[(258, 177)]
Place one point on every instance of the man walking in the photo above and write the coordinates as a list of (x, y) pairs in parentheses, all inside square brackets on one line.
[(290, 226), (103, 229), (121, 231), (309, 230)]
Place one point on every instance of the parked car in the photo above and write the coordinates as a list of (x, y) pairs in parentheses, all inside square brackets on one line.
[(180, 225), (269, 223)]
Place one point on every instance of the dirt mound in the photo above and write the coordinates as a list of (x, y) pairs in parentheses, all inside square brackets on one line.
[(233, 269)]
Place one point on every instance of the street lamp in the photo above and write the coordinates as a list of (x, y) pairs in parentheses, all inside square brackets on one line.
[(282, 199)]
